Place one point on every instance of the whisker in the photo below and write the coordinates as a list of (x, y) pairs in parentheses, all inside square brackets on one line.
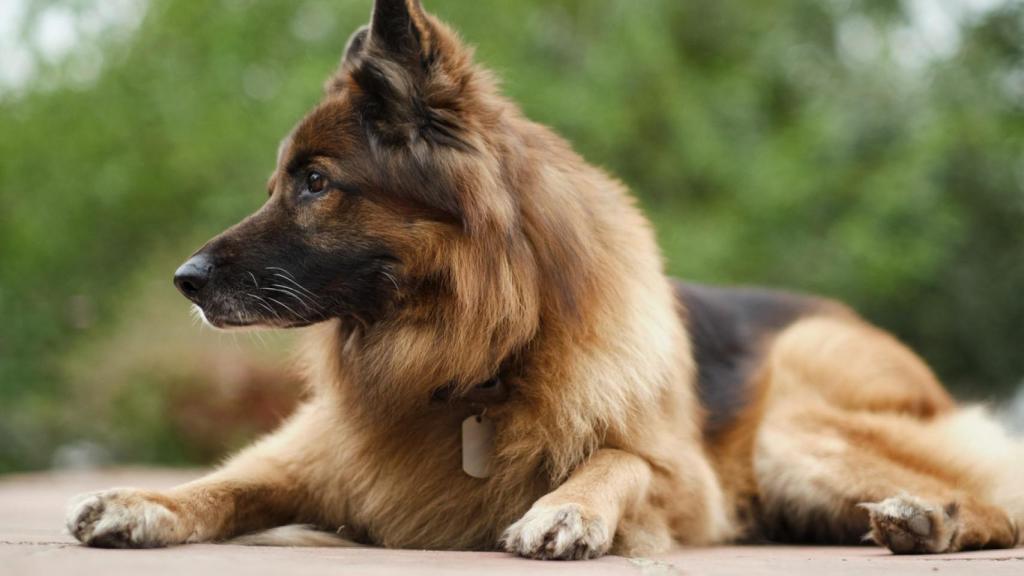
[(258, 336), (288, 308), (265, 307), (297, 285), (279, 269), (290, 277), (198, 317), (294, 294), (391, 277), (260, 301)]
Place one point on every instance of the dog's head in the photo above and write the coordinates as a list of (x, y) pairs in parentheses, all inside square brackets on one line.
[(394, 163)]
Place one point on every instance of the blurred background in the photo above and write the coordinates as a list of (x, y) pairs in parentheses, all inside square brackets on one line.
[(870, 150)]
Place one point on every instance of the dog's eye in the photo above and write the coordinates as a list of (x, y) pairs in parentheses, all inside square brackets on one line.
[(315, 182)]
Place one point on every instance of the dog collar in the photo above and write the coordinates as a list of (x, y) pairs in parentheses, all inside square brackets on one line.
[(478, 431), (486, 393)]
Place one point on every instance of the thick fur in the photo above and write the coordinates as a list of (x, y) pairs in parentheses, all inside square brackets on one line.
[(455, 241)]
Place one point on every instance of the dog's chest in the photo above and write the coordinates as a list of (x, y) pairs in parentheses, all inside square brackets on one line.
[(407, 487)]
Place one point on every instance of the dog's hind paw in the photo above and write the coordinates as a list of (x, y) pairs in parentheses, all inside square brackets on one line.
[(565, 532), (123, 519), (907, 525)]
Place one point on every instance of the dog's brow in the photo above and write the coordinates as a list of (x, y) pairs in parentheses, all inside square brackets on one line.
[(302, 157)]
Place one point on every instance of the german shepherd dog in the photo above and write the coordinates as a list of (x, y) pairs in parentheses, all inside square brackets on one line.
[(498, 361)]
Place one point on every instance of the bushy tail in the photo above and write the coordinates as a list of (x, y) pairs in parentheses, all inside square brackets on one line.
[(981, 444), (296, 536)]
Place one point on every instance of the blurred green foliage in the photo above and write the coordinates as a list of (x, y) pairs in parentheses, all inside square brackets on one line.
[(798, 143)]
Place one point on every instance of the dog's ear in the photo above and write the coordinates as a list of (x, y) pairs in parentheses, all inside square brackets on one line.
[(400, 29), (354, 48), (399, 33), (409, 79), (408, 75)]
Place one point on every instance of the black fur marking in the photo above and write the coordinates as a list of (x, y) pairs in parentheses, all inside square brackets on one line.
[(352, 283), (383, 106), (728, 329), (389, 113), (350, 280), (394, 27), (442, 128)]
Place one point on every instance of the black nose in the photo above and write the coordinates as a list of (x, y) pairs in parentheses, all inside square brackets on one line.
[(193, 275)]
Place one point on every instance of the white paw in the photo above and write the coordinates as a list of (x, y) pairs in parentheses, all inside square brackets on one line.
[(908, 525), (558, 533), (123, 518)]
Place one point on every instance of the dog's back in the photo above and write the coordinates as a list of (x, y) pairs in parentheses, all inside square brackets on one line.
[(730, 328)]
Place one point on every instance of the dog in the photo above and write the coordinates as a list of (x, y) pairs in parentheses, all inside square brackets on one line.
[(497, 360)]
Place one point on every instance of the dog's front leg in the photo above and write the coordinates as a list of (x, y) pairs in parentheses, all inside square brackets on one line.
[(578, 520), (212, 508), (256, 490)]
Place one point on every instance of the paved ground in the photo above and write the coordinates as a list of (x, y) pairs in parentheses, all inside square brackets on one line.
[(33, 541)]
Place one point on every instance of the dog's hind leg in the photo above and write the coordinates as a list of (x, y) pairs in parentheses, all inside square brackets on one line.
[(912, 476), (834, 477)]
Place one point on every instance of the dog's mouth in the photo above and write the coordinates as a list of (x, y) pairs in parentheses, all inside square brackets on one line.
[(235, 299), (244, 313), (222, 322)]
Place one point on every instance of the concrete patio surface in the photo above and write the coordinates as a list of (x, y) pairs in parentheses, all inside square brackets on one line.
[(33, 541)]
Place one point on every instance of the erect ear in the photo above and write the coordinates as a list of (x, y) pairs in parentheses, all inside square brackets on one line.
[(354, 48), (355, 51), (396, 67), (399, 32), (399, 28)]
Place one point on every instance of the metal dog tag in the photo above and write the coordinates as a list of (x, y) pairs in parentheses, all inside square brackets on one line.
[(477, 445)]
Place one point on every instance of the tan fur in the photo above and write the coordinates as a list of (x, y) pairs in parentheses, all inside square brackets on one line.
[(544, 268), (853, 418)]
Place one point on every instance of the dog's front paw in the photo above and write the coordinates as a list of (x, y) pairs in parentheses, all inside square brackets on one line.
[(124, 518), (566, 532), (907, 525)]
